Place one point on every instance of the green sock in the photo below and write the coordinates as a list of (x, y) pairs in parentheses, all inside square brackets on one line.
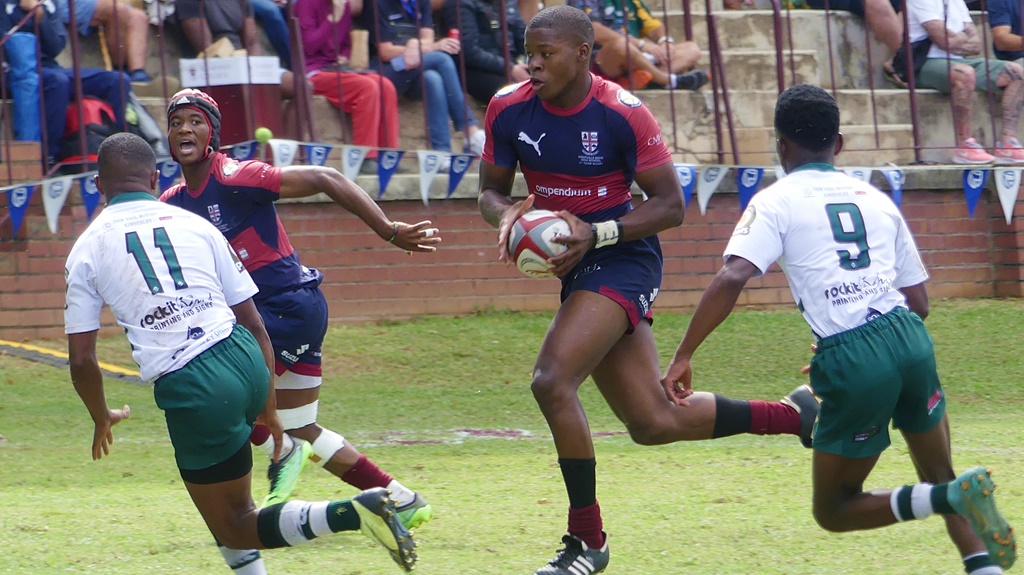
[(341, 516)]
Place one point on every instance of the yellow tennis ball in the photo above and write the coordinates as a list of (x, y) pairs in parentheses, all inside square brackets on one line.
[(263, 135)]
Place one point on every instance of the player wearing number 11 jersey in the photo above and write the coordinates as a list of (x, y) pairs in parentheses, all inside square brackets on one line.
[(856, 275)]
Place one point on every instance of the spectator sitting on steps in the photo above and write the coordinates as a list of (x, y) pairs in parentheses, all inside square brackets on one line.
[(954, 67), (127, 41)]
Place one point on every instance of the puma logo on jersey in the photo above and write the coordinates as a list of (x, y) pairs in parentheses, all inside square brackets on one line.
[(536, 144)]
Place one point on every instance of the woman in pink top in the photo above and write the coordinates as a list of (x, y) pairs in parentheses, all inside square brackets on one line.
[(368, 98)]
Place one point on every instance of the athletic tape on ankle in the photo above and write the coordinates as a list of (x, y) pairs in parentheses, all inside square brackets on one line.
[(297, 417), (326, 445)]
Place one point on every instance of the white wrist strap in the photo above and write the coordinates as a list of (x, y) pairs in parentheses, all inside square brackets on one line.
[(607, 233)]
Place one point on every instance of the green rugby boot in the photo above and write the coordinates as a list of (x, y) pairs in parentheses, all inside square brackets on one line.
[(284, 475), (379, 521), (970, 495), (415, 513)]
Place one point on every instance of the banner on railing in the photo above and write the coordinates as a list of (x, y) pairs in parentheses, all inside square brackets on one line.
[(860, 173), (55, 193), (710, 178), (90, 194), (242, 151), (387, 163), (459, 167), (284, 151), (687, 178), (316, 154), (352, 160), (895, 178), (1007, 186), (974, 181), (17, 201), (430, 163), (747, 180), (169, 172)]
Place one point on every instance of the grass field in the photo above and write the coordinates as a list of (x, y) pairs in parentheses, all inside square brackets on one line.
[(444, 405)]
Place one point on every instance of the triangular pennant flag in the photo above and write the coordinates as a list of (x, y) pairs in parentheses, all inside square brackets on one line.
[(709, 180), (862, 174), (352, 160), (747, 180), (316, 154), (90, 194), (169, 171), (1007, 186), (459, 167), (55, 192), (687, 178), (243, 151), (974, 181), (387, 163), (18, 199), (284, 151), (430, 162), (895, 178)]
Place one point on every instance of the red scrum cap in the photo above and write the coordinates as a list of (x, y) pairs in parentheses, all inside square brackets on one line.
[(201, 102)]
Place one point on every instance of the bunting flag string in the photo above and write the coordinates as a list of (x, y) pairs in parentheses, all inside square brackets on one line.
[(705, 180)]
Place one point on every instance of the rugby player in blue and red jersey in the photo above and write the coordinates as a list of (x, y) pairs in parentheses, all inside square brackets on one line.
[(580, 142), (238, 199)]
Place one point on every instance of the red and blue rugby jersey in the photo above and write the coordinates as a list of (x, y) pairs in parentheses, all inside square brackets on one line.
[(238, 199), (579, 159)]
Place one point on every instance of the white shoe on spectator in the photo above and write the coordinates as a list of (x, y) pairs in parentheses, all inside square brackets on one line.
[(476, 143)]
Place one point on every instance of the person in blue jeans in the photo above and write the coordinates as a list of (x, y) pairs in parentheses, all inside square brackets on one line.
[(402, 36), (57, 81), (22, 80), (272, 15)]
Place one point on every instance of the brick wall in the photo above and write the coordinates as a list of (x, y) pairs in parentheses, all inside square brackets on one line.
[(367, 279)]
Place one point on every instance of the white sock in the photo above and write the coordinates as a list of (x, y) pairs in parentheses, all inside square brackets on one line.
[(243, 562), (987, 567), (401, 494), (918, 498), (300, 519), (286, 446)]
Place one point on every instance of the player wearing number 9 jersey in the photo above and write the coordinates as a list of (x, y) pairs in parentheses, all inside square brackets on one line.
[(857, 277)]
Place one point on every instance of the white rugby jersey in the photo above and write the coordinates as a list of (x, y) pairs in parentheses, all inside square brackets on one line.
[(168, 276), (843, 244)]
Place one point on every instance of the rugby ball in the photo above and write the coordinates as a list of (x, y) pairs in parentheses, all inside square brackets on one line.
[(530, 245)]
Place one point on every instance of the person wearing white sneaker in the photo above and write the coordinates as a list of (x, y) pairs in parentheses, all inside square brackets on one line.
[(955, 68)]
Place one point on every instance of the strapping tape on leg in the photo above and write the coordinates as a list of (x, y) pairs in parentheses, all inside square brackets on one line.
[(297, 417), (326, 445), (292, 380)]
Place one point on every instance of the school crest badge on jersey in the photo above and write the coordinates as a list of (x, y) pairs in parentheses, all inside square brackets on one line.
[(743, 227), (507, 90), (229, 168), (589, 140), (626, 98), (214, 211)]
